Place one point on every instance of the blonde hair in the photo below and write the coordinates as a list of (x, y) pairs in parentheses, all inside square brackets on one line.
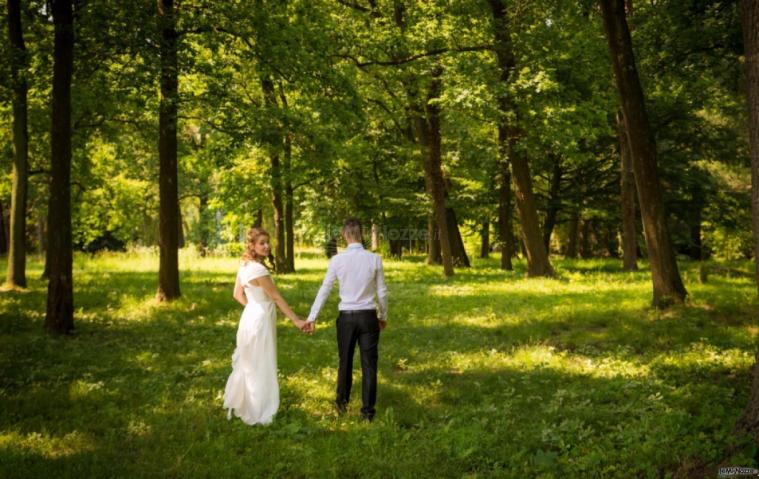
[(251, 238)]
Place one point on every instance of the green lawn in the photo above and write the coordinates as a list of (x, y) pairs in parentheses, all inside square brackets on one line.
[(485, 375)]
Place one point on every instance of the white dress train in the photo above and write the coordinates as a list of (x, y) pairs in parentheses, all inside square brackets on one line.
[(252, 391)]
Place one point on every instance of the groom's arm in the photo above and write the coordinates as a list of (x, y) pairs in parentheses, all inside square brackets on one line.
[(323, 294), (381, 292)]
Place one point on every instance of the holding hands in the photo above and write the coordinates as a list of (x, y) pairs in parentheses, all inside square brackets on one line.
[(305, 326)]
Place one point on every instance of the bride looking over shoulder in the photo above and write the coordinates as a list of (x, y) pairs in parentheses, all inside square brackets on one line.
[(252, 391)]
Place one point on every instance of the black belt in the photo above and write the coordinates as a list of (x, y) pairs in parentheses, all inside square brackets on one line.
[(357, 311)]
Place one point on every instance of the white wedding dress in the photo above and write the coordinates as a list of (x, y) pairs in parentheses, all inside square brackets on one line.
[(252, 391)]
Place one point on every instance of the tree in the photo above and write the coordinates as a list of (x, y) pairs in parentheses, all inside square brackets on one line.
[(16, 275), (537, 256), (59, 318), (667, 284), (627, 188), (168, 273), (749, 421)]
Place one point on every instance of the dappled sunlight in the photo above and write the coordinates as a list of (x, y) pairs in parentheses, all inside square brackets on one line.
[(45, 445)]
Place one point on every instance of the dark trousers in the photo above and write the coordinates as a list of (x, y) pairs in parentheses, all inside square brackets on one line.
[(360, 327)]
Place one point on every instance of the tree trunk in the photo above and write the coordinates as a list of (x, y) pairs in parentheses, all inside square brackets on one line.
[(751, 45), (537, 256), (749, 421), (289, 223), (574, 233), (585, 247), (485, 235), (16, 274), (169, 222), (3, 232), (59, 318), (667, 284), (554, 202), (695, 249), (259, 221), (203, 222), (505, 230), (280, 261), (627, 188), (433, 241), (458, 251), (375, 237), (433, 169)]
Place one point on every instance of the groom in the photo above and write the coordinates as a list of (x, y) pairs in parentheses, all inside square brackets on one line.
[(360, 275)]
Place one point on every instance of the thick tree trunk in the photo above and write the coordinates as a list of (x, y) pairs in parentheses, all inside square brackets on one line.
[(554, 202), (505, 230), (433, 169), (169, 221), (627, 188), (749, 422), (59, 318), (667, 284), (16, 275), (537, 256), (485, 236), (280, 261), (574, 233), (751, 45)]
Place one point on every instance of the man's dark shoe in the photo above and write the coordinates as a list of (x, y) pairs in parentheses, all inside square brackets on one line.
[(341, 408), (368, 417)]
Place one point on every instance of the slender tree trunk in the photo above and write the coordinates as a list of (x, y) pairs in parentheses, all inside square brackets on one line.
[(433, 241), (259, 221), (695, 249), (537, 256), (627, 188), (485, 235), (289, 223), (554, 202), (3, 231), (505, 230), (59, 318), (458, 251), (574, 233), (434, 172), (375, 237), (169, 221), (16, 274), (667, 284), (203, 220), (749, 421), (585, 247), (280, 261)]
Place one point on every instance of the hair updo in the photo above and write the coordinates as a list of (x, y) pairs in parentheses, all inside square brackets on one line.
[(251, 238)]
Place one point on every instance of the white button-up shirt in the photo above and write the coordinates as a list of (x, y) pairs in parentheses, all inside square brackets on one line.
[(361, 277)]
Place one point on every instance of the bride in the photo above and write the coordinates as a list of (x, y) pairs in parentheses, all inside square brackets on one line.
[(252, 392)]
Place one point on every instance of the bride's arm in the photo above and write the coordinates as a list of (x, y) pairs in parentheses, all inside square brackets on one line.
[(239, 294), (268, 286)]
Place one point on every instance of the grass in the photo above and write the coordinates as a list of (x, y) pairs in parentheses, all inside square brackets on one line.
[(485, 375)]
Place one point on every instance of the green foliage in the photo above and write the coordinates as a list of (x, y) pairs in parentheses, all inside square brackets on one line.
[(488, 375)]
